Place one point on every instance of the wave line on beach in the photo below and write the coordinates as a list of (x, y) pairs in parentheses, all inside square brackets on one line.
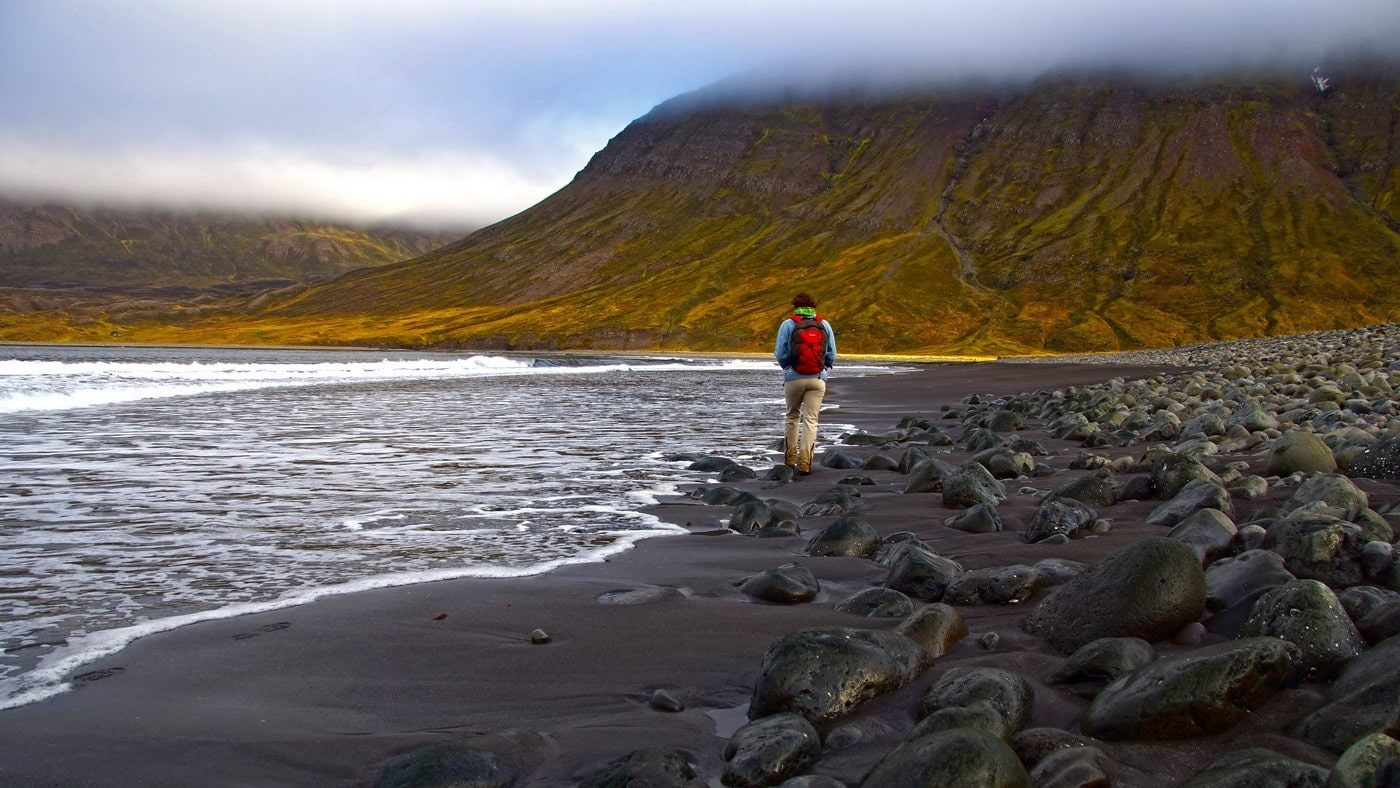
[(49, 677)]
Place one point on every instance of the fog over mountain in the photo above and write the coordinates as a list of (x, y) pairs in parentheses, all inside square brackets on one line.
[(448, 113)]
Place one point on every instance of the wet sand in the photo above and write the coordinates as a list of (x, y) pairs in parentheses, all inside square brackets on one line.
[(326, 692)]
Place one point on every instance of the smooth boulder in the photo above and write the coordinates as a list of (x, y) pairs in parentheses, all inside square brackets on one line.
[(825, 672), (1002, 691), (750, 516), (848, 536), (1319, 547), (1230, 581), (442, 765), (927, 476), (1372, 762), (840, 460), (936, 628), (1364, 699), (1301, 452), (1003, 463), (1307, 614), (1033, 745), (1334, 490), (838, 500), (770, 750), (950, 759), (1001, 585), (1192, 498), (1100, 663), (1171, 473), (980, 519), (922, 574), (877, 603), (970, 485), (1057, 515), (1149, 590), (1381, 623), (1257, 768), (1093, 489), (1195, 693), (1078, 767), (655, 767), (788, 584), (1209, 533)]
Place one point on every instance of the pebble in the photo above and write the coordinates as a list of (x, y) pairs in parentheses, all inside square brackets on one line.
[(661, 700)]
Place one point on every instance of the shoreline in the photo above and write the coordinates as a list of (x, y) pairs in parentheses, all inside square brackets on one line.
[(105, 685), (905, 358), (330, 690)]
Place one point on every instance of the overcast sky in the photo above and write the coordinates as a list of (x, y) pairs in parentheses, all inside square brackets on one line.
[(465, 112)]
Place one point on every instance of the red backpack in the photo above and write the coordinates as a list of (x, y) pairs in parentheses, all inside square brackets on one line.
[(807, 346)]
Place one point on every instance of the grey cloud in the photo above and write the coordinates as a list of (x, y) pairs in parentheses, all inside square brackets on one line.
[(484, 107)]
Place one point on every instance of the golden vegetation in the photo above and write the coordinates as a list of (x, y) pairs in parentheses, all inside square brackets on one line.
[(1075, 215)]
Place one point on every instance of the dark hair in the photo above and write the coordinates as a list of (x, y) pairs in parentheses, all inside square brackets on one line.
[(802, 299)]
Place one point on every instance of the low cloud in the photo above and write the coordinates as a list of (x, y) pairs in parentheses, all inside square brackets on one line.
[(447, 189), (462, 113)]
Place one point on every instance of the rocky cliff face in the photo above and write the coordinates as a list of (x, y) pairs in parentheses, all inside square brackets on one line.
[(45, 245), (1075, 213)]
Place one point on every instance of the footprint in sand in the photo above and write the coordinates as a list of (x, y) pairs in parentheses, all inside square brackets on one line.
[(636, 596), (266, 628), (97, 675)]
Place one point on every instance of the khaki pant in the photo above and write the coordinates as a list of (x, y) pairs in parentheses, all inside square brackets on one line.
[(804, 400)]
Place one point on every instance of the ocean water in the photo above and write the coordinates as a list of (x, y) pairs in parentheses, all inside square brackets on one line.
[(142, 489)]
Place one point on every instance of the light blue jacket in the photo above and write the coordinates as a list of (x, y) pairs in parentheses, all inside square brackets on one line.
[(780, 351)]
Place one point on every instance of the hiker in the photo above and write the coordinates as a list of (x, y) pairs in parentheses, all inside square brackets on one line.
[(806, 349)]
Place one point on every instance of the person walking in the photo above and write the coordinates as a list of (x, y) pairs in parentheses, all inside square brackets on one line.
[(806, 350)]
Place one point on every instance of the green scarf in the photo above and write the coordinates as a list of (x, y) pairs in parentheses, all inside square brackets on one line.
[(805, 311)]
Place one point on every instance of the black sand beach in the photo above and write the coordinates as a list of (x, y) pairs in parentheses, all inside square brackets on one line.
[(327, 692)]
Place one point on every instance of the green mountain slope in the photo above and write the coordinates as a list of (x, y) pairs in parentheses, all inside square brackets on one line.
[(1076, 213), (46, 245)]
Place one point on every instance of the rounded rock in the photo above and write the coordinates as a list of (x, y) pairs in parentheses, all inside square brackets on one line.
[(1149, 590), (970, 485), (788, 584), (936, 628), (848, 536), (658, 767), (1372, 761), (980, 519), (1301, 451), (1100, 663), (1006, 693), (959, 757), (1258, 768), (920, 573), (1209, 533), (825, 672), (1002, 585), (877, 603), (769, 750), (1195, 693)]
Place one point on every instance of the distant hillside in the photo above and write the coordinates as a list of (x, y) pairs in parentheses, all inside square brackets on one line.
[(1076, 213), (58, 246)]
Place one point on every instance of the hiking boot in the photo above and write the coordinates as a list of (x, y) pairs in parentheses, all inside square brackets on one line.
[(790, 458), (804, 465)]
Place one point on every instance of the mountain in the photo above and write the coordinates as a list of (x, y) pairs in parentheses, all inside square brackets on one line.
[(49, 245), (1078, 212)]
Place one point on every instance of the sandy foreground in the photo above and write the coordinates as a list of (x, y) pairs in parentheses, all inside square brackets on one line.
[(325, 693)]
